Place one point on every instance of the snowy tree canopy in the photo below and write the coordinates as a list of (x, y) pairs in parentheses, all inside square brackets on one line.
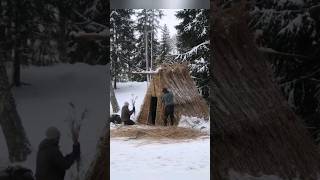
[(291, 28)]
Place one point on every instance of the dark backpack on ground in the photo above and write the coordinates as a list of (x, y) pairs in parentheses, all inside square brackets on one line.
[(115, 118), (130, 122), (16, 173)]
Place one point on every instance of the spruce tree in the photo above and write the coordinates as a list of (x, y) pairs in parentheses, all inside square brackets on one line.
[(122, 43), (165, 46)]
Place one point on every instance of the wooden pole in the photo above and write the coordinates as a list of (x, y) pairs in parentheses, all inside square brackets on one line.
[(146, 49)]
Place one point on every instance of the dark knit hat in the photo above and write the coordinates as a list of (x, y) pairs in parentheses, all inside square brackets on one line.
[(52, 133)]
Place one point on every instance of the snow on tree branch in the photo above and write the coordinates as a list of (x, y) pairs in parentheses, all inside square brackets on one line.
[(193, 51), (91, 36), (294, 25), (89, 20), (114, 13)]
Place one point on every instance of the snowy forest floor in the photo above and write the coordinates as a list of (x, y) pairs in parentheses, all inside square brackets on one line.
[(44, 103), (134, 156)]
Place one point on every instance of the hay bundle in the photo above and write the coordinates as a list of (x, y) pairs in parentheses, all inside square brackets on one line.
[(255, 132), (188, 101), (158, 133)]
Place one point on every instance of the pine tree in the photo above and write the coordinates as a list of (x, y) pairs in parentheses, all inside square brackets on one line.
[(165, 46), (18, 28), (193, 29), (193, 44), (122, 43)]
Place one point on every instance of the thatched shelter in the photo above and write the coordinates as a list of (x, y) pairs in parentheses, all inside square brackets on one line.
[(254, 130), (188, 101), (100, 166)]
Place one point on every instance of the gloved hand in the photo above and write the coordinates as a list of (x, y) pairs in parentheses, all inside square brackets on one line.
[(76, 150)]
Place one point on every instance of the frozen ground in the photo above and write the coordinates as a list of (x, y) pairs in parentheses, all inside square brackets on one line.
[(45, 103), (166, 160)]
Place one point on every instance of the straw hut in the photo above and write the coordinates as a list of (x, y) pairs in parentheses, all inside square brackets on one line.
[(254, 130), (188, 101)]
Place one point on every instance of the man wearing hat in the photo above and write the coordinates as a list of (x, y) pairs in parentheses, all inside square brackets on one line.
[(51, 164)]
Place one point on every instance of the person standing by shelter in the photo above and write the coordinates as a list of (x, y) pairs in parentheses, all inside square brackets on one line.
[(126, 113), (167, 100)]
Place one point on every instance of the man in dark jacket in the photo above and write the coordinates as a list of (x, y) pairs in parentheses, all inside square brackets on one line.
[(167, 100), (126, 113), (51, 164)]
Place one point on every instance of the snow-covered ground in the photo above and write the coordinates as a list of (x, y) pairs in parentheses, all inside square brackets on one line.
[(132, 160), (165, 160), (44, 103)]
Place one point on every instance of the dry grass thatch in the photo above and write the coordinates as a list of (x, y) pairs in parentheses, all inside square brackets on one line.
[(157, 133), (255, 132), (177, 79), (100, 167)]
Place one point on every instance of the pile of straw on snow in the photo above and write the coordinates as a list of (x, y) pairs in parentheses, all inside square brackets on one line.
[(157, 133)]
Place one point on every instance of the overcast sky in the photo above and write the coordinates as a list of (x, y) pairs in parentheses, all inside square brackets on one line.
[(170, 19)]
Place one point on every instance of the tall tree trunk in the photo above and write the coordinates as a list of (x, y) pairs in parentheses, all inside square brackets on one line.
[(115, 82), (16, 139), (16, 49), (115, 66), (113, 99), (62, 39), (16, 68)]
